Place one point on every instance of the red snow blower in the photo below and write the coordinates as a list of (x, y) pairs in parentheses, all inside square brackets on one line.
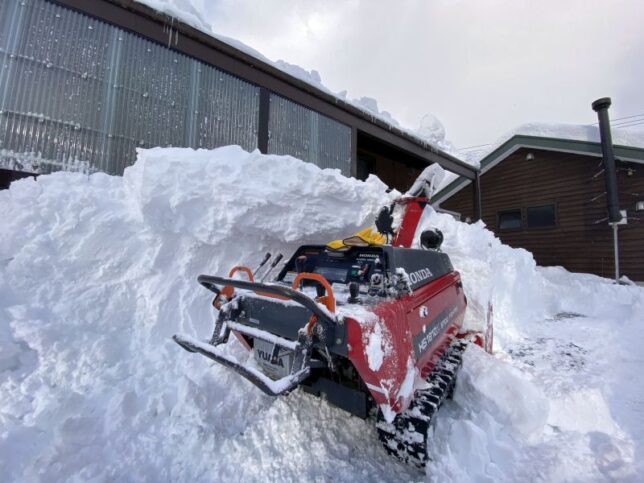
[(359, 321)]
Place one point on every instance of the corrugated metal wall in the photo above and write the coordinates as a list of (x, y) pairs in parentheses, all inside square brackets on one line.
[(79, 94), (293, 129), (76, 93)]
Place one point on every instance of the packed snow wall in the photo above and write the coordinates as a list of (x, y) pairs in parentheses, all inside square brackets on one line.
[(97, 273)]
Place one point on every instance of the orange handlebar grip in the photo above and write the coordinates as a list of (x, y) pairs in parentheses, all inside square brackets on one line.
[(329, 299), (241, 268)]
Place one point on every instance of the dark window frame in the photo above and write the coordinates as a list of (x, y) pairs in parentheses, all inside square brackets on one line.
[(506, 211), (546, 227)]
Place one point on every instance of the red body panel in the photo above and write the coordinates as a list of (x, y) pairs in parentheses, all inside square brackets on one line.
[(436, 310)]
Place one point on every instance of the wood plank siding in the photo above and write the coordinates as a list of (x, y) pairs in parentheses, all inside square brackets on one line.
[(579, 241)]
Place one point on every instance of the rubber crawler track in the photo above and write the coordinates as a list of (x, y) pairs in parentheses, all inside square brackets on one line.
[(406, 437)]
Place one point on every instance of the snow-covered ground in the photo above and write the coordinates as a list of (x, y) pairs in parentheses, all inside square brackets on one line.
[(97, 273)]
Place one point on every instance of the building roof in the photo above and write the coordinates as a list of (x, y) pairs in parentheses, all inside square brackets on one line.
[(519, 141), (247, 64)]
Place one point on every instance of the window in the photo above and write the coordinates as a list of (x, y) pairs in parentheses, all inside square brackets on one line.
[(509, 219), (541, 216)]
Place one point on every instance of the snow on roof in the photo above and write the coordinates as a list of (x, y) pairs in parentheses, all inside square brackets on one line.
[(573, 132), (430, 131), (580, 132)]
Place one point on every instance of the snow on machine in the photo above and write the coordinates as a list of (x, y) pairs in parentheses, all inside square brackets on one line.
[(369, 323)]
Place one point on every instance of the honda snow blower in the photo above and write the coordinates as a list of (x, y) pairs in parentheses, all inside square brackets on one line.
[(358, 321)]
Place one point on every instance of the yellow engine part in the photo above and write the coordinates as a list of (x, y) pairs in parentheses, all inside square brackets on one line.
[(364, 238)]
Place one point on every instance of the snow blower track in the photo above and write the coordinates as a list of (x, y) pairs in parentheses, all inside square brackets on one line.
[(407, 435)]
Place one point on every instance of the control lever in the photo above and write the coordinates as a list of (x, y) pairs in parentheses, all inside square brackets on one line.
[(354, 290), (266, 258), (300, 263), (273, 265)]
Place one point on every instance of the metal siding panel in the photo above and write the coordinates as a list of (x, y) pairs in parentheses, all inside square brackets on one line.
[(9, 82), (300, 132), (228, 110), (78, 93)]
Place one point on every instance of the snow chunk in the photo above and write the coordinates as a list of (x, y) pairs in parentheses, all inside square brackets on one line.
[(584, 410), (431, 129), (408, 385), (376, 336), (375, 348), (494, 386)]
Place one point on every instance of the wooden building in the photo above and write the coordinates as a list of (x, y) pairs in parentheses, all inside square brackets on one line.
[(547, 195)]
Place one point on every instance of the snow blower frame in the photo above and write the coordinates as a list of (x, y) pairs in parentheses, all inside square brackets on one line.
[(356, 321), (323, 322)]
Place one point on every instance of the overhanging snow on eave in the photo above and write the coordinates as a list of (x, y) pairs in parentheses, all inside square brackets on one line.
[(572, 146)]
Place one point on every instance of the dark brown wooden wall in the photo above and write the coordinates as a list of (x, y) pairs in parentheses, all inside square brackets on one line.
[(394, 173), (580, 241)]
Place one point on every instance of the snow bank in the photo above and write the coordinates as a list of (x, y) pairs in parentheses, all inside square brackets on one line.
[(572, 411), (493, 272), (96, 274), (228, 194)]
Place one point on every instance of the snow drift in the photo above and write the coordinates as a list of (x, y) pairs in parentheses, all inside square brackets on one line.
[(96, 274)]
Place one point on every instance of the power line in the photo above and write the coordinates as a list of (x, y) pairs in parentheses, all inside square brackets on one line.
[(475, 146), (620, 123), (628, 117), (631, 124), (621, 118)]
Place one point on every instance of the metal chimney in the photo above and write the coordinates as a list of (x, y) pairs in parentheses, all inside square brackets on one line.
[(600, 106)]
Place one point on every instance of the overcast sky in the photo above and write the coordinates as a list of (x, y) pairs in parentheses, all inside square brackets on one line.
[(481, 67)]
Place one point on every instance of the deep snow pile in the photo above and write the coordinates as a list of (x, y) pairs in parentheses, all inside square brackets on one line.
[(96, 274), (570, 408)]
